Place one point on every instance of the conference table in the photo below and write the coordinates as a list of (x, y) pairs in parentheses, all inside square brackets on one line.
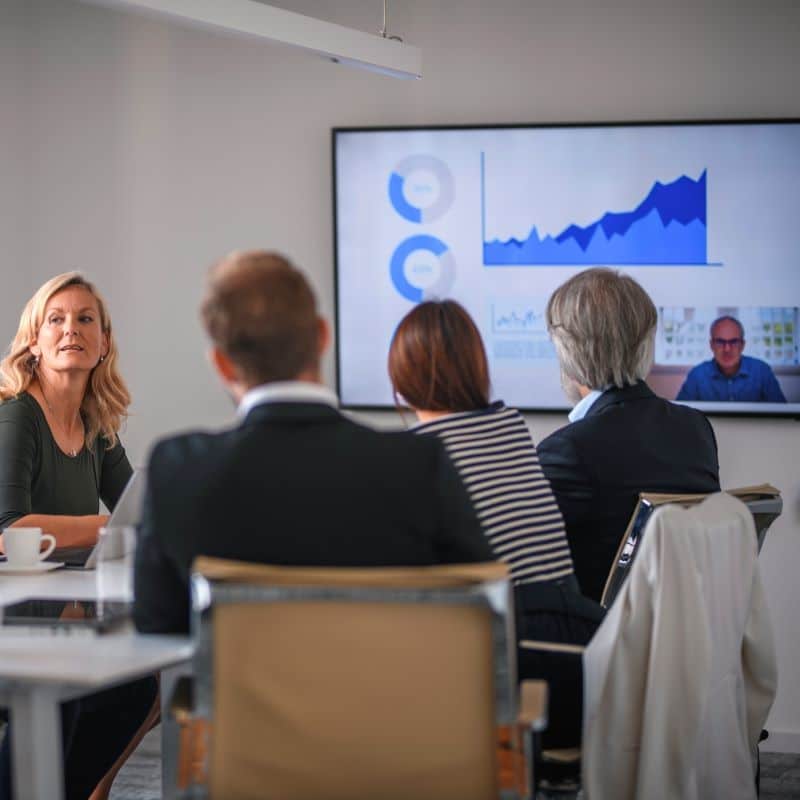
[(40, 670)]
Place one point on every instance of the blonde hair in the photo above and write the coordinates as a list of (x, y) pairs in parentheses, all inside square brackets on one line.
[(603, 325), (106, 401)]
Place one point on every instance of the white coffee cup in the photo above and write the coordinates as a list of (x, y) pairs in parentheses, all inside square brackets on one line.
[(23, 546)]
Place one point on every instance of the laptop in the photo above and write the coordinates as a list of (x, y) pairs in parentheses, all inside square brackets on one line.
[(127, 513)]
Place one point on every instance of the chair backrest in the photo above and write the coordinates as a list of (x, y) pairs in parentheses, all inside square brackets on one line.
[(353, 683), (764, 503), (680, 676)]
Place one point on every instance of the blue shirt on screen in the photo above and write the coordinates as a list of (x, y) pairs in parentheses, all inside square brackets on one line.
[(755, 382)]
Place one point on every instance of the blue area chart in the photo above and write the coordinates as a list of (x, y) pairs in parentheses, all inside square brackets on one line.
[(422, 267), (667, 228)]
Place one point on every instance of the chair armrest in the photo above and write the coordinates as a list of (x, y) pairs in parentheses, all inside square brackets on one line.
[(552, 647), (562, 755), (533, 705)]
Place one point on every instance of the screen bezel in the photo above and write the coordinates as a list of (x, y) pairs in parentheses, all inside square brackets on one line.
[(736, 411)]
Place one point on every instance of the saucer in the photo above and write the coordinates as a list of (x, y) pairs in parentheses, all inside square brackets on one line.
[(31, 569)]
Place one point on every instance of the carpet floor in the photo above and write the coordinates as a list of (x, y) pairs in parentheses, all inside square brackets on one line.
[(140, 778)]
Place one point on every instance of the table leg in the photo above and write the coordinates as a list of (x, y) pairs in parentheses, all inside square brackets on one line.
[(36, 748), (170, 741)]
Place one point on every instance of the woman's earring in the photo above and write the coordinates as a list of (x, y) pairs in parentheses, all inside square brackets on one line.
[(102, 359), (35, 362)]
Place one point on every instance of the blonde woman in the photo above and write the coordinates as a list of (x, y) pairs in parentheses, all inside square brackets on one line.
[(63, 402)]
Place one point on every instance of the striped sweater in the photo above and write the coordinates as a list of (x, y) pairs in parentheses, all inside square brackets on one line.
[(495, 456)]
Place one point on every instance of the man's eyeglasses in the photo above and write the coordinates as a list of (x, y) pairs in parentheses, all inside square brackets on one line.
[(727, 342)]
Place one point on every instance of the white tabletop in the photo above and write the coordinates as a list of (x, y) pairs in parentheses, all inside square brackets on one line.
[(72, 584), (81, 659), (40, 669), (88, 661)]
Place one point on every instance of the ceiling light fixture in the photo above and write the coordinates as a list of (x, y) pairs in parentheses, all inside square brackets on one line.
[(377, 53)]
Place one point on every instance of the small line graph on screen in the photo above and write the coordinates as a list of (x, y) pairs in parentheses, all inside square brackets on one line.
[(518, 331), (516, 319)]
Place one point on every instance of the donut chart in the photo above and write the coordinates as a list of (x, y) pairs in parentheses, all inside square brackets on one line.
[(422, 267), (421, 188)]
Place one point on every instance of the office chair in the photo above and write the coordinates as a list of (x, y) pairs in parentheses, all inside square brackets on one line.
[(680, 676), (358, 683), (763, 501)]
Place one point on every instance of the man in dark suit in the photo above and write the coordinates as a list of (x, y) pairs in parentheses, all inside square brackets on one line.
[(296, 482), (621, 439)]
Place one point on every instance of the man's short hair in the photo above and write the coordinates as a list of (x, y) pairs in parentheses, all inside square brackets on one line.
[(261, 312), (726, 318), (603, 326)]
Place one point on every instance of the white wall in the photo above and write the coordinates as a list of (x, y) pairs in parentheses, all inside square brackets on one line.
[(140, 152)]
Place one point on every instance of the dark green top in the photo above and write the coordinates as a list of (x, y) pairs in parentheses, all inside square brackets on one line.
[(37, 477)]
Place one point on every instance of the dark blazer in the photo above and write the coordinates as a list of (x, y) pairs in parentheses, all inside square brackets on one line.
[(630, 441), (295, 484)]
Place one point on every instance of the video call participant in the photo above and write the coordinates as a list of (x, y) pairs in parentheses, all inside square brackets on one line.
[(730, 376), (438, 366), (63, 402), (296, 482), (621, 439)]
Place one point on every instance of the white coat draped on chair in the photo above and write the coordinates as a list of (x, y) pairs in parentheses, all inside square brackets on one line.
[(680, 676)]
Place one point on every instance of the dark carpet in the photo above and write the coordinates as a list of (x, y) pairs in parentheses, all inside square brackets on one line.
[(140, 778)]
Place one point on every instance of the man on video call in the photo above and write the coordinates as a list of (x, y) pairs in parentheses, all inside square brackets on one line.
[(730, 376), (295, 482)]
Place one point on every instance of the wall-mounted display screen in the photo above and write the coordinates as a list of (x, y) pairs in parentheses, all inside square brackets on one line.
[(703, 215)]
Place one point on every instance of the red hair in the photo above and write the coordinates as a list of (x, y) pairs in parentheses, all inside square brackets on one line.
[(437, 361)]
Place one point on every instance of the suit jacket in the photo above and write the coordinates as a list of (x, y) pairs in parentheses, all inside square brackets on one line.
[(630, 441), (295, 484)]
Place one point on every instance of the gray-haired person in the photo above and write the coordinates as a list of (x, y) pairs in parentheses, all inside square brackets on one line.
[(622, 439)]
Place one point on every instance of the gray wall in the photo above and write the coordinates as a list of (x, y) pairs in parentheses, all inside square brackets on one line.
[(139, 152)]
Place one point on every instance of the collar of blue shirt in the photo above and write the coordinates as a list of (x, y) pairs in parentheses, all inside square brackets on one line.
[(742, 372), (582, 406)]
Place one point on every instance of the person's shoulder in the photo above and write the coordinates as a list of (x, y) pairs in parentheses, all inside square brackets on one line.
[(679, 417), (21, 410), (704, 368), (681, 409), (508, 417), (495, 416), (754, 364), (109, 456), (183, 448), (394, 443), (560, 437), (401, 438)]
